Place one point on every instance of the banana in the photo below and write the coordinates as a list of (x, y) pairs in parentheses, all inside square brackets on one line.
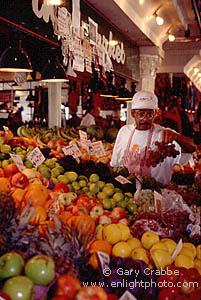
[(19, 131), (65, 134), (60, 135), (38, 140)]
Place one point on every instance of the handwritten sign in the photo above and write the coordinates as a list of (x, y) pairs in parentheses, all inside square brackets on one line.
[(158, 202), (104, 259), (83, 135), (127, 296), (72, 150), (36, 157), (122, 179), (98, 149), (18, 161)]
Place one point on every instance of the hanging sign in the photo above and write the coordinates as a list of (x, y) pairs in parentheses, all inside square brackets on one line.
[(98, 149), (18, 161), (72, 150)]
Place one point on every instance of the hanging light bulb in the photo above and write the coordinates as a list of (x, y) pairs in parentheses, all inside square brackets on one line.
[(171, 37), (159, 20), (195, 70)]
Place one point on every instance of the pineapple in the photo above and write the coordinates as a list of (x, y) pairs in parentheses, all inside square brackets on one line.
[(65, 247), (7, 210)]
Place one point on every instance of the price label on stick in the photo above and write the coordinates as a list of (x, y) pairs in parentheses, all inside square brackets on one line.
[(18, 161), (83, 135), (104, 260), (177, 249), (158, 202), (127, 296), (36, 157), (6, 129), (72, 150), (98, 149), (122, 179)]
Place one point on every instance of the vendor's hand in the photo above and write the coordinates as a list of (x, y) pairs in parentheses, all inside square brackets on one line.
[(168, 136)]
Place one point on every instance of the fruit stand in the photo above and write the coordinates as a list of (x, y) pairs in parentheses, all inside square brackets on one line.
[(74, 228)]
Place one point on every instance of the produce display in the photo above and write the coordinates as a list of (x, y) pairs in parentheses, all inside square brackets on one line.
[(74, 228)]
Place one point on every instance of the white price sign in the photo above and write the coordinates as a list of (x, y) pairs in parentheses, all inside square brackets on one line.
[(122, 179), (98, 149), (104, 260), (72, 150), (83, 135), (158, 202), (18, 161), (127, 296), (36, 157)]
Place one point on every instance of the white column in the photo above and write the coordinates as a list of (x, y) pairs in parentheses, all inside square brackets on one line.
[(54, 104)]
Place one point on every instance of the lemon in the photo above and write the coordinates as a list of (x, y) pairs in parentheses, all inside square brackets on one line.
[(159, 245), (125, 231), (198, 250), (134, 243), (188, 252), (99, 230), (121, 249), (170, 244), (191, 247), (184, 261), (112, 233), (161, 258), (140, 253), (148, 239)]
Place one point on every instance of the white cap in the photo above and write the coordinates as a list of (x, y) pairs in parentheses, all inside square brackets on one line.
[(144, 100)]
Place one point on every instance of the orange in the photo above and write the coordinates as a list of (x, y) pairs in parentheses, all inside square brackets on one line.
[(4, 185), (37, 193), (18, 195), (102, 246), (121, 249)]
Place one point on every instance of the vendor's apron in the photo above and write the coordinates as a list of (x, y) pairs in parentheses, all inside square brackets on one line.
[(134, 161)]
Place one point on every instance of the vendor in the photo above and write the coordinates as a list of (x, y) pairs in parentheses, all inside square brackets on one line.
[(133, 140), (89, 117)]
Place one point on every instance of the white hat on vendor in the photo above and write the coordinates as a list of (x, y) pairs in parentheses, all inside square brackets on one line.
[(144, 100)]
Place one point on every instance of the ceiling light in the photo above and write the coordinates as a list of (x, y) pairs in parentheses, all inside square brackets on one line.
[(53, 72), (199, 74), (171, 37), (15, 60), (195, 70), (54, 2), (159, 20)]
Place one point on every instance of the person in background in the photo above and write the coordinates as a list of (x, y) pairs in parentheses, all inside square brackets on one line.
[(74, 121), (89, 117), (134, 140)]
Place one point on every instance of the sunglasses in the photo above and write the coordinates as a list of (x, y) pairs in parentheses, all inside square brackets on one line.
[(143, 115)]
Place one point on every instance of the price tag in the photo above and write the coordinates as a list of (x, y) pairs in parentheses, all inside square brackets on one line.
[(36, 157), (83, 135), (98, 149), (122, 179), (72, 150), (158, 202), (18, 161), (104, 259), (6, 129), (177, 250), (127, 296)]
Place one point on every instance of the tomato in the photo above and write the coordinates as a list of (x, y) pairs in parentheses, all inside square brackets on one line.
[(19, 180), (84, 201), (10, 170), (193, 274), (68, 286), (61, 187)]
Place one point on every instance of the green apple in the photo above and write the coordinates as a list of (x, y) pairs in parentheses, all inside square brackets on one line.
[(122, 204), (109, 190), (61, 169), (114, 202), (19, 288), (76, 186), (132, 207), (102, 195), (4, 163), (63, 178), (82, 177), (55, 180), (69, 185), (94, 177), (5, 148), (17, 149), (94, 188), (11, 264), (55, 172), (50, 163), (101, 184), (118, 197), (130, 195), (117, 190), (72, 176), (40, 269), (84, 190), (82, 183), (107, 203), (1, 140), (28, 164), (46, 172), (91, 195)]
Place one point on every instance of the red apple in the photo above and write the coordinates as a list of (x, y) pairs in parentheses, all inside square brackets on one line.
[(19, 180), (91, 293), (193, 274), (124, 221), (118, 213), (67, 285), (84, 200), (4, 296), (79, 210), (187, 285), (10, 170)]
